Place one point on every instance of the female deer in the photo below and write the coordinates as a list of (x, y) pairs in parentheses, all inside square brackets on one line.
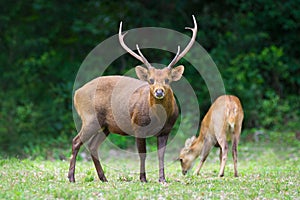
[(224, 118)]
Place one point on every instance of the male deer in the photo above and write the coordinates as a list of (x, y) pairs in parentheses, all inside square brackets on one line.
[(223, 119), (128, 106)]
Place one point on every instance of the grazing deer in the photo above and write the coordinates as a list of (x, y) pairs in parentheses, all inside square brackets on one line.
[(128, 106), (224, 118)]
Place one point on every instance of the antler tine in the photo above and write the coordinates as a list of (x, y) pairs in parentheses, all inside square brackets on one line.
[(190, 44), (175, 58), (145, 61), (121, 40)]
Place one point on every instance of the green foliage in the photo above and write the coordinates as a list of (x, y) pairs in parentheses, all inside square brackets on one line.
[(276, 113), (42, 43), (260, 80), (121, 141)]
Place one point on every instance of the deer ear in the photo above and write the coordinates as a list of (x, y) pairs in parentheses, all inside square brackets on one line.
[(187, 143), (193, 138), (141, 72), (177, 72)]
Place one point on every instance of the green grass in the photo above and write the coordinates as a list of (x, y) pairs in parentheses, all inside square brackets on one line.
[(266, 172)]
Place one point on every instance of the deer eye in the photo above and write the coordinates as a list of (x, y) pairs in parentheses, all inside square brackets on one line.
[(167, 81), (151, 81)]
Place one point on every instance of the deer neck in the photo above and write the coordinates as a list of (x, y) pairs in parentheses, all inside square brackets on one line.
[(197, 146)]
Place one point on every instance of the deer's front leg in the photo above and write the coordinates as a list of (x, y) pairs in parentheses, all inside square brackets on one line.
[(141, 146), (161, 147)]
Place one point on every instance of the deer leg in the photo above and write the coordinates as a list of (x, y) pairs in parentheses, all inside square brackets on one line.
[(93, 146), (220, 155), (141, 146), (87, 131), (199, 167), (76, 144), (161, 147), (205, 152), (235, 142), (234, 156), (224, 149)]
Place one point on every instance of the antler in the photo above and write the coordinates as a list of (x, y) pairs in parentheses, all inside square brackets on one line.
[(174, 59), (145, 61), (139, 57), (188, 47)]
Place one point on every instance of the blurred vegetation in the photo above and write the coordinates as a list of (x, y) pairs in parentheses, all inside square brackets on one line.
[(255, 45)]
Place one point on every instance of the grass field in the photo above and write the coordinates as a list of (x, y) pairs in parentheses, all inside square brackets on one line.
[(267, 171)]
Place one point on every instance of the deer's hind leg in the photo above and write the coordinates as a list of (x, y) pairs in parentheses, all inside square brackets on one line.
[(93, 146), (88, 130), (76, 144), (222, 141), (223, 157), (235, 141)]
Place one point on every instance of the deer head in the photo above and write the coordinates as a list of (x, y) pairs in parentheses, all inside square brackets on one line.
[(187, 156), (159, 79)]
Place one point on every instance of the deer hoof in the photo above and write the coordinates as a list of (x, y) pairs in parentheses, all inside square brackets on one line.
[(143, 180), (162, 180)]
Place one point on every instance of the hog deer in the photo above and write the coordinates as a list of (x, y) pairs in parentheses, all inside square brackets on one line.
[(128, 106), (224, 118)]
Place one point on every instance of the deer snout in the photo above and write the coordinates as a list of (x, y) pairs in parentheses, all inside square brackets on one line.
[(184, 172), (159, 93)]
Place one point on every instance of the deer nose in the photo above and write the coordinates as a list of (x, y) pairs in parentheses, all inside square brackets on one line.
[(159, 93), (184, 172)]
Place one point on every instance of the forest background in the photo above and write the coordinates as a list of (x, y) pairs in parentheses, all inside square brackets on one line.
[(255, 45)]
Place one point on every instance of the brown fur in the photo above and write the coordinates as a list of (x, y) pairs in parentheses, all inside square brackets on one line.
[(223, 119), (125, 106)]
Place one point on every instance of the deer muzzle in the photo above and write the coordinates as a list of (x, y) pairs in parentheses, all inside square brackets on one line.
[(159, 93)]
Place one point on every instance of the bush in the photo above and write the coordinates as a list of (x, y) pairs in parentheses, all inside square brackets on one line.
[(258, 79)]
